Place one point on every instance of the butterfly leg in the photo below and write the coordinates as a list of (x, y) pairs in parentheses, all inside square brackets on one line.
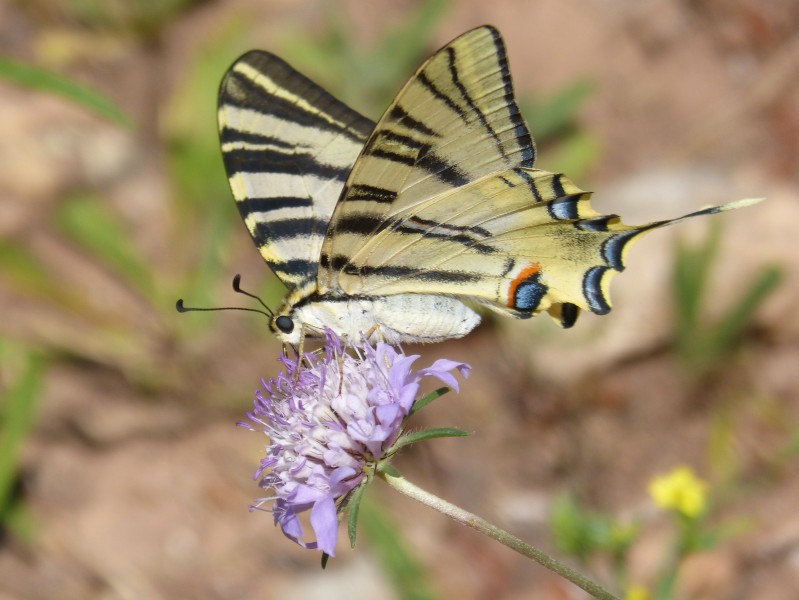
[(301, 352), (374, 330)]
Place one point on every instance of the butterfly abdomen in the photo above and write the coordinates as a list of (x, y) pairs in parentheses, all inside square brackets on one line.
[(409, 318)]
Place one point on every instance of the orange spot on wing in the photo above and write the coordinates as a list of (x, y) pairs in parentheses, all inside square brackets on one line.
[(525, 273)]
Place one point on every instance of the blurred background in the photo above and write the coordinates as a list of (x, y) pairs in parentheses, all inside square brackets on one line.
[(122, 474)]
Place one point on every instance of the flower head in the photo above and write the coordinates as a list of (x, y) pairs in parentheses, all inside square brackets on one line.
[(637, 592), (330, 418), (681, 490)]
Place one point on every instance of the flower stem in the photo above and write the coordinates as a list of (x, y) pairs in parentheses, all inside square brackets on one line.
[(401, 484)]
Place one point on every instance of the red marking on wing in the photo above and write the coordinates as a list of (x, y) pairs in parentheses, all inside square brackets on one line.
[(528, 271)]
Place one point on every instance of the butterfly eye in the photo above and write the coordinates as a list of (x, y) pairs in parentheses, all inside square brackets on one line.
[(284, 324)]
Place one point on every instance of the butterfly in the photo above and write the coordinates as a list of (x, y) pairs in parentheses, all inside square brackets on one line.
[(405, 224)]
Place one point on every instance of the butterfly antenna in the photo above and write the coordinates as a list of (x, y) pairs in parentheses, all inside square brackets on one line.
[(184, 309), (237, 288)]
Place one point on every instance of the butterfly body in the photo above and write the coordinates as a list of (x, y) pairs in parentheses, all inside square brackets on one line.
[(402, 223), (400, 318)]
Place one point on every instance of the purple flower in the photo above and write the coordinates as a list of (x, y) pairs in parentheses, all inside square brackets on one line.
[(329, 420)]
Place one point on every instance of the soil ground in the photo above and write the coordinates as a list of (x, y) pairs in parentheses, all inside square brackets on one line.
[(136, 480)]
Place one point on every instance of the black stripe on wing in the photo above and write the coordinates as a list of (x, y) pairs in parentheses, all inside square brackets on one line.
[(453, 72), (369, 192), (530, 183), (243, 160), (241, 91), (264, 205), (275, 121), (405, 120), (293, 269), (520, 130), (228, 135), (402, 272), (340, 262), (286, 229), (367, 225), (441, 169)]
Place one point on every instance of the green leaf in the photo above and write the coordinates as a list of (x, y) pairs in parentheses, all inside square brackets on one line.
[(86, 220), (25, 271), (427, 399), (731, 326), (551, 116), (366, 78), (42, 80), (401, 46), (353, 506), (691, 271), (18, 407), (579, 532), (428, 434), (574, 154), (702, 346)]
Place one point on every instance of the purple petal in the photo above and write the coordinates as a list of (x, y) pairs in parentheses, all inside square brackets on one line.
[(320, 441), (441, 370), (340, 474), (389, 416), (407, 396), (304, 494), (398, 375), (289, 523), (325, 525)]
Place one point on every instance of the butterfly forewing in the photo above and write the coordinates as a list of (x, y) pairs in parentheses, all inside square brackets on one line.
[(460, 100), (288, 147)]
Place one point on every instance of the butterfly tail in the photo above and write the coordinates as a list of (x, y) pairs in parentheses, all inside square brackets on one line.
[(613, 251)]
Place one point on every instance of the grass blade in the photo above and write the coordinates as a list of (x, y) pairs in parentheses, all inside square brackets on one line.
[(36, 78)]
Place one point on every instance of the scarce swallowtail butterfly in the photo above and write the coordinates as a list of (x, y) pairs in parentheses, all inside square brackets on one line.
[(397, 224)]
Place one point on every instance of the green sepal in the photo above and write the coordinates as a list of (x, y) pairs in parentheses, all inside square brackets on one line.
[(387, 469), (428, 434), (425, 400), (325, 557), (353, 505)]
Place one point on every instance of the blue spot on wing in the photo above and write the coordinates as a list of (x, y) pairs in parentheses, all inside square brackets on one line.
[(592, 290), (595, 223), (613, 248), (529, 293), (564, 209)]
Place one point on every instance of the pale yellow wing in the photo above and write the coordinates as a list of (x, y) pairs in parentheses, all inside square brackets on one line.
[(455, 121), (443, 200), (521, 241), (288, 147)]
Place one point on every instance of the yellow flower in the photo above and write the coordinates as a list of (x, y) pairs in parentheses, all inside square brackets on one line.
[(637, 592), (680, 490)]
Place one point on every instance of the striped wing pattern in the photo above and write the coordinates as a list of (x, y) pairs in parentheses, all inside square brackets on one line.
[(521, 241), (288, 147), (439, 198), (455, 121), (444, 200)]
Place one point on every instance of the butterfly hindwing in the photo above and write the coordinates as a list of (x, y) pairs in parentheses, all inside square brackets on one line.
[(288, 147)]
